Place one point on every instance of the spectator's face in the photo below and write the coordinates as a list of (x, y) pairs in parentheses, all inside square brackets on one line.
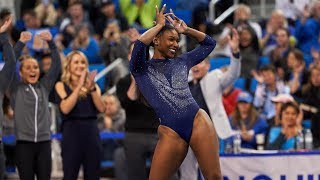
[(292, 61), (282, 38), (108, 10), (277, 20), (269, 77), (29, 71), (241, 15), (110, 105), (31, 22), (200, 70), (83, 33), (167, 44), (315, 77), (76, 10), (46, 64), (289, 117), (245, 38), (77, 65), (243, 107)]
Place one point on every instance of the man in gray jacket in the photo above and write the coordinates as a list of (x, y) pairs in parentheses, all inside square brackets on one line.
[(207, 88)]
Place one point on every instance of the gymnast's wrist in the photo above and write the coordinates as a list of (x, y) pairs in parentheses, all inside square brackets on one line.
[(94, 89)]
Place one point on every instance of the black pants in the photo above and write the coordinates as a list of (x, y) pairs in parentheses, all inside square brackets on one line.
[(81, 145), (34, 159), (138, 148)]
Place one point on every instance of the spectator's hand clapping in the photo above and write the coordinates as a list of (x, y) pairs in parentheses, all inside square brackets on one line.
[(234, 41), (45, 35)]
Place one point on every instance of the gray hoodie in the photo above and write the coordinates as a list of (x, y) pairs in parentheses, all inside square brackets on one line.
[(8, 69), (30, 103)]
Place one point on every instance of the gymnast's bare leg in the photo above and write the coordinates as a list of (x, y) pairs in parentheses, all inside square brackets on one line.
[(172, 149)]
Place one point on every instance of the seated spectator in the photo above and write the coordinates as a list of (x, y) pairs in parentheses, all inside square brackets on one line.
[(310, 94), (108, 15), (115, 45), (76, 16), (84, 42), (292, 9), (249, 51), (307, 28), (242, 15), (113, 118), (246, 119), (268, 87), (139, 13), (279, 54), (283, 138), (229, 98), (268, 41), (46, 13), (297, 74)]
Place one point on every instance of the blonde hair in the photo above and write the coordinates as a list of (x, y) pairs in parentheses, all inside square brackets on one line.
[(66, 75)]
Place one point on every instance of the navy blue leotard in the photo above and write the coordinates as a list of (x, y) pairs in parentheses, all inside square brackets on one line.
[(164, 84)]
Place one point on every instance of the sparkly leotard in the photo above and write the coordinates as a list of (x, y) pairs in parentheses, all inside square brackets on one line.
[(164, 84)]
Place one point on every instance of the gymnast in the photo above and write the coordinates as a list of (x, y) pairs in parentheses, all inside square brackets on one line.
[(163, 83)]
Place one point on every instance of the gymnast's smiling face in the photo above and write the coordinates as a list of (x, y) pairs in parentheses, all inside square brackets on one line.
[(166, 44)]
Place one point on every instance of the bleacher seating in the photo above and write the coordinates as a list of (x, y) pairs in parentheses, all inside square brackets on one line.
[(240, 83), (218, 62)]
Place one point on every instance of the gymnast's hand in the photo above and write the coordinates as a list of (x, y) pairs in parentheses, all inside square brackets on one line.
[(234, 41), (161, 16), (178, 23)]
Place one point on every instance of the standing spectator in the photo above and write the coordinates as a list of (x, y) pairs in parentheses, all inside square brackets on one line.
[(139, 13), (6, 75), (140, 132), (108, 15), (32, 117), (246, 120), (79, 103)]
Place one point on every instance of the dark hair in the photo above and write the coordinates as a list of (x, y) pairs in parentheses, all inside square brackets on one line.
[(166, 27), (30, 12), (284, 29), (268, 68), (284, 106), (4, 13), (298, 55), (254, 38)]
